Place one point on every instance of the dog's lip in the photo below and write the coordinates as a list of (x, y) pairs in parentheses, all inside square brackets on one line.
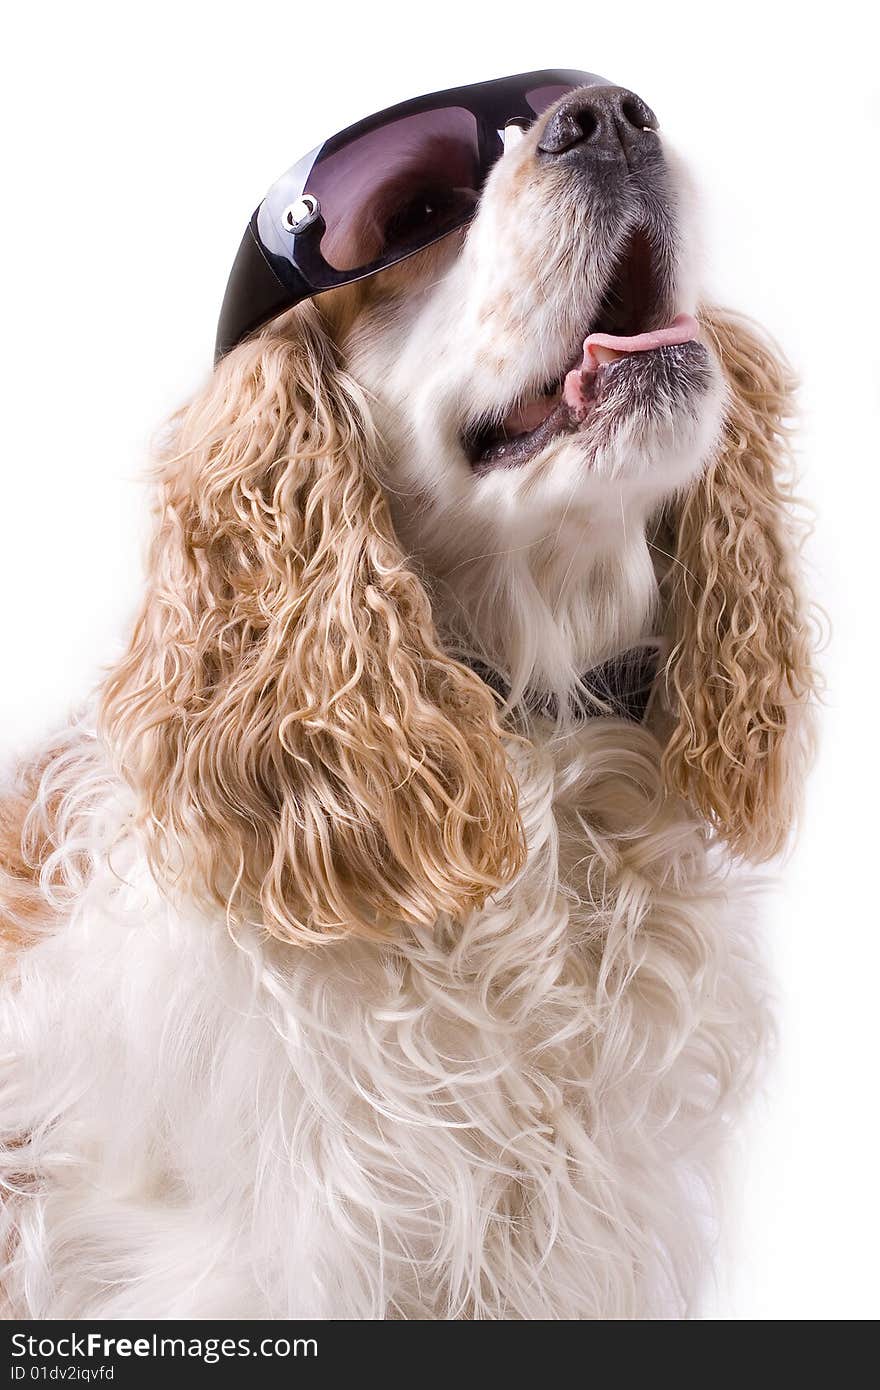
[(513, 451), (573, 402)]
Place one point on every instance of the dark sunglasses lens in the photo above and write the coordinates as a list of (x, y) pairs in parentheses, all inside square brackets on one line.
[(540, 99), (397, 188)]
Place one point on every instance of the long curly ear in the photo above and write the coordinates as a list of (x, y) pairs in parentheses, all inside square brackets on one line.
[(302, 748), (741, 670)]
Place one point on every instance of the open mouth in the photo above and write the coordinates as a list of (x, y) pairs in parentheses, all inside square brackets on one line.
[(630, 321)]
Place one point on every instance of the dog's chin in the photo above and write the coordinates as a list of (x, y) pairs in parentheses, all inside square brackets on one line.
[(650, 421), (626, 400)]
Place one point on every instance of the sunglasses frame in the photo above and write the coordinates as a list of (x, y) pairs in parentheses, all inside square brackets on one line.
[(280, 263)]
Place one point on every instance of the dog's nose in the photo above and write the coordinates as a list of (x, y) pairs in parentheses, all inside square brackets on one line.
[(600, 123)]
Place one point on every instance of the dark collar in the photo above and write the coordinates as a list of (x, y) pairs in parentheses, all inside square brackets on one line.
[(623, 684)]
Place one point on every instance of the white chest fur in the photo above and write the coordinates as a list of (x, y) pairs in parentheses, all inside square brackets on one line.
[(503, 1120)]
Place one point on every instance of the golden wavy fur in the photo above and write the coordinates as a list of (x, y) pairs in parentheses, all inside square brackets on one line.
[(741, 667), (44, 863), (23, 903), (302, 747)]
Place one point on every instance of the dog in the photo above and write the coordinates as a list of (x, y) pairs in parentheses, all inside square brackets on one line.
[(379, 943)]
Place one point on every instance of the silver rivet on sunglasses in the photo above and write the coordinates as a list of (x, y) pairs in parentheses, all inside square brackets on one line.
[(299, 215), (513, 132)]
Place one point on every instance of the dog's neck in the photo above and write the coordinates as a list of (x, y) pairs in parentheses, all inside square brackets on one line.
[(542, 626), (621, 687)]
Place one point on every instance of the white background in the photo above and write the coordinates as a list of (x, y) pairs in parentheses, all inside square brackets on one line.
[(137, 140)]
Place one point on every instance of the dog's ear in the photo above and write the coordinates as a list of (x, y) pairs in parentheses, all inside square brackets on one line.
[(301, 747), (740, 672)]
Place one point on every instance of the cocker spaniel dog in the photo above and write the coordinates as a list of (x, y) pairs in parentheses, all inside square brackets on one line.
[(379, 945)]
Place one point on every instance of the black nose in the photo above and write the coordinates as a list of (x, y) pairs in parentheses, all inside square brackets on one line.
[(601, 123)]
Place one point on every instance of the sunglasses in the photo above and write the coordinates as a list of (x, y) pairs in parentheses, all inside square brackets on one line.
[(379, 191)]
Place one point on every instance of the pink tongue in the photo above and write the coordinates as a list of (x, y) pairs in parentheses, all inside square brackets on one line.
[(607, 347), (683, 329)]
